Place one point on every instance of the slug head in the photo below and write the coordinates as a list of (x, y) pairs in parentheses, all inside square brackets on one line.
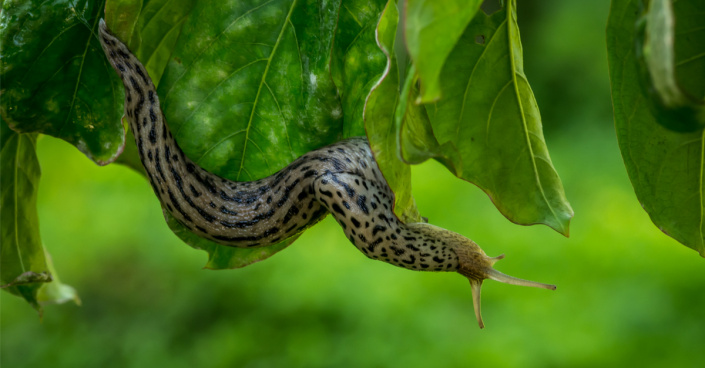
[(474, 264)]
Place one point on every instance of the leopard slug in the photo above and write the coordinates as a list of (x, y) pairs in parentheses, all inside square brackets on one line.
[(342, 179)]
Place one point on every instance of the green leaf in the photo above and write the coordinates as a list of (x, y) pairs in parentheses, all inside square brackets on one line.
[(665, 167), (56, 79), (431, 30), (689, 47), (248, 89), (23, 266), (674, 107), (358, 63), (158, 27), (380, 122), (24, 269), (487, 129), (416, 141)]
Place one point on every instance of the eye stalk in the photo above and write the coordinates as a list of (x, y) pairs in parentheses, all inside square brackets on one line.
[(474, 264)]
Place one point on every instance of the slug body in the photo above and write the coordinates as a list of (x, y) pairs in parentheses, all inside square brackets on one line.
[(342, 179)]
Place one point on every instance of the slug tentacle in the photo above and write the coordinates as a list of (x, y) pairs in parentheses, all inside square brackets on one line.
[(342, 179)]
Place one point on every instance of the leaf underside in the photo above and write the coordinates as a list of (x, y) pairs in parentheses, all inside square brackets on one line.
[(665, 166), (24, 267), (487, 129), (56, 80)]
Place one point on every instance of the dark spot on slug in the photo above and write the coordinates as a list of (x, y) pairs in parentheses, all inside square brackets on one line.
[(339, 210), (377, 229)]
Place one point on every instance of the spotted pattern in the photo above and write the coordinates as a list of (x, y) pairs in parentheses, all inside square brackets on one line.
[(342, 179)]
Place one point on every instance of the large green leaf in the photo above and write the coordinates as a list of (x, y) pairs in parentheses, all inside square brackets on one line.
[(357, 63), (23, 266), (487, 128), (380, 109), (247, 89), (431, 29), (666, 167), (56, 79)]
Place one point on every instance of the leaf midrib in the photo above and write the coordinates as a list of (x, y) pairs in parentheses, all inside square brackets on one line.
[(537, 177), (78, 78), (259, 88)]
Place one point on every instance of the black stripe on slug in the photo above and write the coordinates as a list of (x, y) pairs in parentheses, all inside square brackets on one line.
[(225, 210), (254, 221), (247, 238), (339, 210), (361, 203), (411, 260), (177, 206), (293, 211), (377, 229), (348, 188), (158, 164), (141, 73), (287, 189), (194, 191)]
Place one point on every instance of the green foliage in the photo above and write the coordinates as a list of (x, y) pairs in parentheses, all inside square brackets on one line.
[(248, 86), (25, 269), (658, 115), (431, 30), (487, 129), (56, 79)]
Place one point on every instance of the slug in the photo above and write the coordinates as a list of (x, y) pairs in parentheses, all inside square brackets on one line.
[(342, 179)]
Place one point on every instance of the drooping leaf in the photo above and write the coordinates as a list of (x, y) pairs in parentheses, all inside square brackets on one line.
[(56, 79), (248, 89), (380, 124), (487, 128), (357, 63), (665, 167), (23, 266), (431, 30)]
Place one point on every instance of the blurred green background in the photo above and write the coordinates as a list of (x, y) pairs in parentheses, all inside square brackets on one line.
[(627, 294)]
